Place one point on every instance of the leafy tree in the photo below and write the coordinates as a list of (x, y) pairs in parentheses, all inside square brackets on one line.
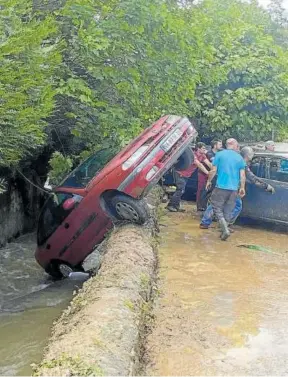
[(29, 57), (60, 166), (83, 74), (126, 63), (249, 97)]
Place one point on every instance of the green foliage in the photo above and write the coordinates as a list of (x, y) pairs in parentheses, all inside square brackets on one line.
[(87, 74), (76, 366), (249, 98), (29, 56), (60, 166), (3, 185), (124, 67)]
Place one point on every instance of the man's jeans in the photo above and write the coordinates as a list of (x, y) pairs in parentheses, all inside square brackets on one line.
[(209, 213), (180, 183)]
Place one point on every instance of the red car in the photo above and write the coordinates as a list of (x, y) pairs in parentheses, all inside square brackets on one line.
[(79, 212)]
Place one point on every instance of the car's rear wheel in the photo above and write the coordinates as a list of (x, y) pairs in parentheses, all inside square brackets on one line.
[(129, 209), (185, 160)]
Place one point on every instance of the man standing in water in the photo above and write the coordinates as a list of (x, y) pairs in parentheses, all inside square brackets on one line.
[(247, 153), (230, 169)]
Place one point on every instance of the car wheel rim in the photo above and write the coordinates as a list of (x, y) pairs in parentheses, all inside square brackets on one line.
[(65, 270), (126, 212)]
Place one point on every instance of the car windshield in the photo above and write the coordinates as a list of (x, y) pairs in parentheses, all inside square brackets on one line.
[(83, 174)]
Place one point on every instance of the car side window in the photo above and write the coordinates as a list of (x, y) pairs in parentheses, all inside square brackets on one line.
[(83, 174), (258, 166), (278, 169)]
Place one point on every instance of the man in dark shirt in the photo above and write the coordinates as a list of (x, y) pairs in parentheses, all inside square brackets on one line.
[(202, 200), (181, 177), (216, 146)]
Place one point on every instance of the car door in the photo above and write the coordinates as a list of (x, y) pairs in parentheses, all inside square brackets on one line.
[(254, 195), (277, 176), (260, 204)]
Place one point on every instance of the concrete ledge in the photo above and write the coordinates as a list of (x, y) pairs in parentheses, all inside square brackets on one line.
[(100, 333)]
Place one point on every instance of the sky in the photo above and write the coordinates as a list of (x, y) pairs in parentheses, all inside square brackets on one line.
[(266, 2)]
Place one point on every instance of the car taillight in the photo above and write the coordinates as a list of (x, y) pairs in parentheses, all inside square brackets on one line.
[(135, 157), (190, 130), (151, 173), (71, 203)]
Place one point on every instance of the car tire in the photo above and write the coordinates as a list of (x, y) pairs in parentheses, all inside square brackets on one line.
[(129, 209), (60, 270), (185, 160)]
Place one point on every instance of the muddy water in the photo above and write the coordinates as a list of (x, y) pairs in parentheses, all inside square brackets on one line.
[(29, 303), (222, 310)]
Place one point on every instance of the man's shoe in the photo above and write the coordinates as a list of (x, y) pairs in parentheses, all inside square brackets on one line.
[(172, 209), (225, 230), (224, 236), (203, 226)]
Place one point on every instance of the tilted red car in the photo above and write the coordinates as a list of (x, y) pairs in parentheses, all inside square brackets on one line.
[(79, 212)]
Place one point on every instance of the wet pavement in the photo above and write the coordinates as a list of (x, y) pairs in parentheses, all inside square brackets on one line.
[(222, 309)]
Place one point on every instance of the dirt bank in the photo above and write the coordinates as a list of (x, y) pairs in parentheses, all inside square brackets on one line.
[(100, 333), (222, 309)]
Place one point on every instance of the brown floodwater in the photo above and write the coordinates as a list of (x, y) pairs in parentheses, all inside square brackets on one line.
[(29, 303), (222, 309)]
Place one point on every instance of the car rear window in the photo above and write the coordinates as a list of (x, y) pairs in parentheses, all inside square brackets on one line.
[(89, 169), (52, 215)]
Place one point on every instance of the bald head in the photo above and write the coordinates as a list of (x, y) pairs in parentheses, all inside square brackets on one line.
[(232, 144)]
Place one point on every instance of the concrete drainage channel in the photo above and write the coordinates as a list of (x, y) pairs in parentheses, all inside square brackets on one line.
[(102, 332)]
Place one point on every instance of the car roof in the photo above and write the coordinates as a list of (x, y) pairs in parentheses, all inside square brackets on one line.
[(272, 154)]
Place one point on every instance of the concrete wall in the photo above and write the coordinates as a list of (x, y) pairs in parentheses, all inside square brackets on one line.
[(19, 207)]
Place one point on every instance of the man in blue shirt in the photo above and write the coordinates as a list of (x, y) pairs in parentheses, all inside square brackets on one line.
[(230, 169)]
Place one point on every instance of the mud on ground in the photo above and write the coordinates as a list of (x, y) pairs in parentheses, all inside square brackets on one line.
[(222, 309)]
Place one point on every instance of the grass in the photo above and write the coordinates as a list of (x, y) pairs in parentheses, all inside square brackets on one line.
[(75, 365), (130, 305)]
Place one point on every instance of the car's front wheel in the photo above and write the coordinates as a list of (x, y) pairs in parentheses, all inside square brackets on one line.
[(60, 270), (129, 209)]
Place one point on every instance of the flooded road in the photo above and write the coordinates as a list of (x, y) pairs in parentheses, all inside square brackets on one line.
[(29, 303), (222, 309)]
